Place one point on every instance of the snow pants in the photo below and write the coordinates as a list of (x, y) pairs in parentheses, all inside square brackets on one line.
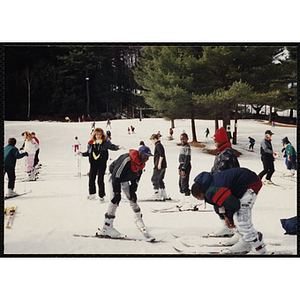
[(243, 217), (30, 162), (97, 169), (184, 182), (292, 163), (268, 164), (158, 178), (11, 177)]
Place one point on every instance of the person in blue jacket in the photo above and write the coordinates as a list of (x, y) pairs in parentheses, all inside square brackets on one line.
[(11, 154), (233, 192)]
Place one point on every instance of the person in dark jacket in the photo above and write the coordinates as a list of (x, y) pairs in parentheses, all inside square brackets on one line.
[(267, 157), (225, 159), (11, 154), (97, 151), (233, 192), (252, 143), (159, 170), (126, 172)]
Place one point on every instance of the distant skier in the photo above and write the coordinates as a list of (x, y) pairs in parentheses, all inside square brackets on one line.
[(267, 157), (126, 172), (108, 123), (97, 151), (108, 135), (11, 154), (76, 145), (36, 157), (252, 143), (291, 157), (159, 170), (206, 132), (233, 192), (128, 130), (132, 129), (30, 147)]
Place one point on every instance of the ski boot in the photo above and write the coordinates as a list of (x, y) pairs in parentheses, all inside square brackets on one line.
[(141, 226), (223, 231)]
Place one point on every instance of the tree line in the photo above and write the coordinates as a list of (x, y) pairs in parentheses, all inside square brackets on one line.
[(218, 82)]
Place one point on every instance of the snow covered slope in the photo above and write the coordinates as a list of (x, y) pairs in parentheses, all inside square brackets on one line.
[(57, 207)]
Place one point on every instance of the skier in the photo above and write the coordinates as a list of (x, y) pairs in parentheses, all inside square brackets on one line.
[(252, 143), (159, 170), (233, 192), (184, 170), (206, 132), (126, 172), (108, 123), (132, 129), (291, 157), (11, 154), (171, 134), (108, 135), (76, 145), (267, 157), (97, 151), (36, 157), (128, 130), (30, 146), (159, 135), (225, 159)]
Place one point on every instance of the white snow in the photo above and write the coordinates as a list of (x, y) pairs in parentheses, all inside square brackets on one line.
[(57, 207)]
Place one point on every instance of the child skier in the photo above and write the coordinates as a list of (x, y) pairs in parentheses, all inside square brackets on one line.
[(233, 193), (97, 151), (159, 170), (252, 143), (225, 159), (291, 157), (184, 171), (36, 157), (126, 172), (11, 154), (30, 147)]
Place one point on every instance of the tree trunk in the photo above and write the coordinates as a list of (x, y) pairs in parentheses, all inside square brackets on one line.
[(234, 139), (291, 113), (193, 127), (172, 124), (216, 123), (270, 115), (88, 95), (28, 93)]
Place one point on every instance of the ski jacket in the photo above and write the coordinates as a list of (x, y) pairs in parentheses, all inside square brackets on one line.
[(126, 168), (31, 146), (185, 157), (11, 154), (252, 141), (290, 150), (266, 148), (159, 151), (99, 152), (227, 187), (226, 159)]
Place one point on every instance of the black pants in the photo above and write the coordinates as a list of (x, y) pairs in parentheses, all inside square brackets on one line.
[(158, 178), (97, 168), (268, 164), (11, 177), (184, 182)]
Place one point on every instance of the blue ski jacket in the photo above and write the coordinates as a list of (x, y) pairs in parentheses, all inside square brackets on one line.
[(227, 187)]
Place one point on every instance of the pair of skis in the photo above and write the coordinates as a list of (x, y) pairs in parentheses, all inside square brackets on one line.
[(198, 247), (100, 235), (10, 211), (175, 209), (14, 196)]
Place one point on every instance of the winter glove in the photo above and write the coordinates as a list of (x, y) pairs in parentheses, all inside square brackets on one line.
[(229, 222)]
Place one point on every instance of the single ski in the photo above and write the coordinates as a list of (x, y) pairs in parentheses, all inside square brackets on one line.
[(11, 216), (226, 254), (277, 186), (169, 199), (175, 209), (14, 196)]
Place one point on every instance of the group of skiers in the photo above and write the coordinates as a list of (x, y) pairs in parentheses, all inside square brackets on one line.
[(30, 149), (231, 189)]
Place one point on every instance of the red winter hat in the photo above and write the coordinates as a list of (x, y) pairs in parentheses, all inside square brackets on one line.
[(220, 136)]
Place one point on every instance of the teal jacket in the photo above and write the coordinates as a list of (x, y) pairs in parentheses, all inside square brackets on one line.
[(11, 154)]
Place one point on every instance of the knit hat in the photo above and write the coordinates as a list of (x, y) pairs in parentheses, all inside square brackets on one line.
[(220, 136), (285, 140)]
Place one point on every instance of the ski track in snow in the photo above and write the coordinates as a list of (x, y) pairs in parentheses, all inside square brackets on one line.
[(57, 207)]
